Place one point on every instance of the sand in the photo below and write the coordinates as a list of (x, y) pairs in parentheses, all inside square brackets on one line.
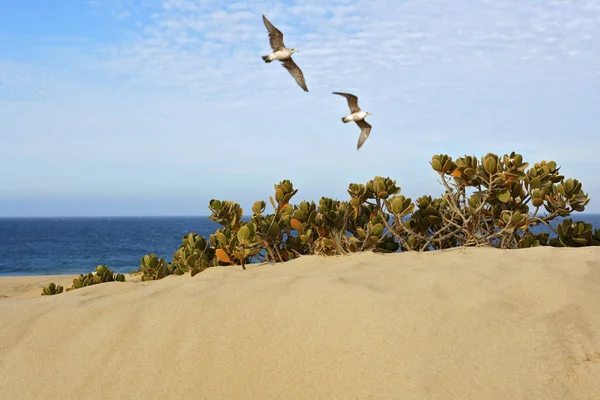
[(472, 323)]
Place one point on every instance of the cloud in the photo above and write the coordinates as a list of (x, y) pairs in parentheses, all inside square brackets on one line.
[(184, 91), (215, 47)]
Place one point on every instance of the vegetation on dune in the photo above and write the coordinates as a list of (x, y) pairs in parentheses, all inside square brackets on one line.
[(102, 274), (491, 201), (153, 267), (52, 289), (194, 255)]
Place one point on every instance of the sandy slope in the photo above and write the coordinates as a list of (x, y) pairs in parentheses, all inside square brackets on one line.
[(460, 324)]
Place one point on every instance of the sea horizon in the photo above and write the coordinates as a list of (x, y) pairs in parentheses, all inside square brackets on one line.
[(43, 245), (572, 216)]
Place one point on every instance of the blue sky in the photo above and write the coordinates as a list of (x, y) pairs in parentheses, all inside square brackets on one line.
[(123, 107)]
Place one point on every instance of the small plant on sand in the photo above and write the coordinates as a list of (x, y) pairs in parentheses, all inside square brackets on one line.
[(194, 255), (102, 274), (154, 268), (575, 234), (237, 242), (52, 289), (274, 230)]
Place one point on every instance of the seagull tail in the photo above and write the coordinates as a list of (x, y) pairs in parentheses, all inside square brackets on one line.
[(266, 59)]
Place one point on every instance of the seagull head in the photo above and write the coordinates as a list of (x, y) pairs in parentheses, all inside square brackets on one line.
[(294, 51), (369, 113)]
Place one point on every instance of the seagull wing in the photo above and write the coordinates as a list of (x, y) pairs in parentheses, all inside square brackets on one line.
[(296, 72), (275, 35), (352, 101), (365, 131)]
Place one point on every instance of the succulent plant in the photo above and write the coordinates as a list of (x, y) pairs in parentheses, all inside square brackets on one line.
[(51, 289), (284, 191), (271, 234), (248, 243), (154, 268), (486, 201), (105, 274), (427, 218), (469, 171), (227, 213), (443, 164), (512, 220), (101, 274), (236, 246), (400, 206), (575, 234), (258, 207), (387, 245), (194, 255), (82, 281), (331, 215), (381, 188), (531, 240), (497, 212)]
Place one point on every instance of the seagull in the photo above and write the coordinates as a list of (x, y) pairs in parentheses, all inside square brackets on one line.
[(283, 54), (358, 116)]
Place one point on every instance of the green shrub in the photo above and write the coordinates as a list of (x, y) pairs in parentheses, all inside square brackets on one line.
[(491, 201), (154, 268), (194, 255), (101, 274), (52, 289)]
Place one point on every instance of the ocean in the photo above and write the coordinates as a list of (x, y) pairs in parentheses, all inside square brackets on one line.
[(52, 246)]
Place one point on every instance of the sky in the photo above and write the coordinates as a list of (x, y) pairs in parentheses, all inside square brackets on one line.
[(132, 108)]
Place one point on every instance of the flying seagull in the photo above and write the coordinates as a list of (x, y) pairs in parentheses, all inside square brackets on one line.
[(358, 116), (283, 54)]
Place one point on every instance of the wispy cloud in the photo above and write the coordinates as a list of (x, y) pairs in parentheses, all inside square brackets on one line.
[(185, 81), (190, 42)]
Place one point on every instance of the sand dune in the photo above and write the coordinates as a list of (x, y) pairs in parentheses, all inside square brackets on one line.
[(459, 324)]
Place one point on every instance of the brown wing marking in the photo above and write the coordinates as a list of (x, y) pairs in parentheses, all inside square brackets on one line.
[(352, 101), (296, 73), (275, 35), (365, 131)]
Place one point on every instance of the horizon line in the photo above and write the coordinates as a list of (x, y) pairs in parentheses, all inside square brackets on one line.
[(177, 216)]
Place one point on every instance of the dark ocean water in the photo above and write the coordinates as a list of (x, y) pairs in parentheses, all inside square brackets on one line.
[(48, 246)]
